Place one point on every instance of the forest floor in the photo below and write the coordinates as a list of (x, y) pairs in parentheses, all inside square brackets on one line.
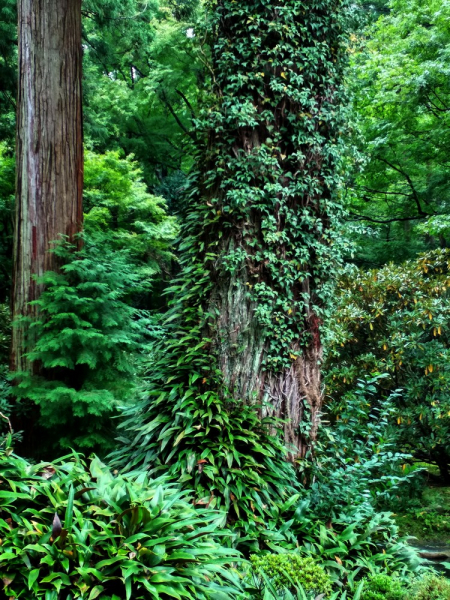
[(429, 522)]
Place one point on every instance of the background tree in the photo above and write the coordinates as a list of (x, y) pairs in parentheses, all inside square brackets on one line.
[(402, 101), (8, 68), (49, 148), (141, 95)]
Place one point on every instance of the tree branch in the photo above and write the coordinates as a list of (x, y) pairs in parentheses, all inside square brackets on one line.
[(415, 195), (189, 105), (176, 117), (393, 220)]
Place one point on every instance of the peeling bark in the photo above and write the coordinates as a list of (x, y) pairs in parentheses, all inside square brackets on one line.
[(49, 148)]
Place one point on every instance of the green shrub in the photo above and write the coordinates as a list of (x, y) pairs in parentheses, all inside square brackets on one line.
[(86, 340), (430, 587), (382, 587), (362, 545), (358, 468), (290, 570), (75, 531), (396, 321)]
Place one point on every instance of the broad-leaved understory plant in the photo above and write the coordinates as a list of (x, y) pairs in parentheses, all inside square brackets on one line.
[(71, 529)]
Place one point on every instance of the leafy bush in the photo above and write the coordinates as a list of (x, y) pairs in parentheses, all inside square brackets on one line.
[(425, 523), (396, 321), (290, 570), (348, 552), (86, 341), (75, 531), (358, 468), (382, 587), (430, 587)]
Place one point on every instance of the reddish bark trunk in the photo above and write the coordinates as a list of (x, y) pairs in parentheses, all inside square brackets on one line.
[(49, 147)]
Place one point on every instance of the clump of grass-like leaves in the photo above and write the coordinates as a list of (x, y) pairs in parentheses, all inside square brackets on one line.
[(74, 530)]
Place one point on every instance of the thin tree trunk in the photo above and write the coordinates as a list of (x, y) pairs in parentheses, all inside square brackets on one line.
[(49, 147)]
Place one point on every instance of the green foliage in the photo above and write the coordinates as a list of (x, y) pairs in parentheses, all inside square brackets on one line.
[(289, 570), (428, 517), (430, 587), (402, 96), (280, 252), (8, 67), (348, 549), (5, 333), (225, 453), (121, 213), (141, 85), (382, 587), (90, 338), (358, 466), (7, 174), (5, 402), (85, 340), (74, 530), (394, 321), (425, 524)]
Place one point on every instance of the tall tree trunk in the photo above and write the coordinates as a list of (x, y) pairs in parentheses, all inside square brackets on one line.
[(49, 148), (257, 258), (271, 179)]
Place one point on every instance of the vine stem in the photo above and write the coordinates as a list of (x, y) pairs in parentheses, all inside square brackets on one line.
[(9, 422)]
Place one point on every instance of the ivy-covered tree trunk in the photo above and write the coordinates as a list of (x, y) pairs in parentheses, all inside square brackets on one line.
[(49, 147), (243, 340), (269, 195)]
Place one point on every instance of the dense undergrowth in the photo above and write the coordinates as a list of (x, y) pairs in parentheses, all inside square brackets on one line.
[(72, 529)]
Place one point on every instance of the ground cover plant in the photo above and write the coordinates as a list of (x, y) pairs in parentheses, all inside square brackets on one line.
[(71, 529), (428, 517)]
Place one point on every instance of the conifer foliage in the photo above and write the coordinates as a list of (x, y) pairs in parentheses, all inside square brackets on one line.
[(87, 337)]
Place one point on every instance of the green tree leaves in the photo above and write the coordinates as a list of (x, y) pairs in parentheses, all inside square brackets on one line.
[(401, 81)]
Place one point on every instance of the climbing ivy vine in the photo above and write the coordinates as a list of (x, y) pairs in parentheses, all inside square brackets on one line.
[(237, 377)]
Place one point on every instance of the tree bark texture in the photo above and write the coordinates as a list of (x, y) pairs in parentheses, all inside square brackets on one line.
[(270, 179), (49, 148)]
